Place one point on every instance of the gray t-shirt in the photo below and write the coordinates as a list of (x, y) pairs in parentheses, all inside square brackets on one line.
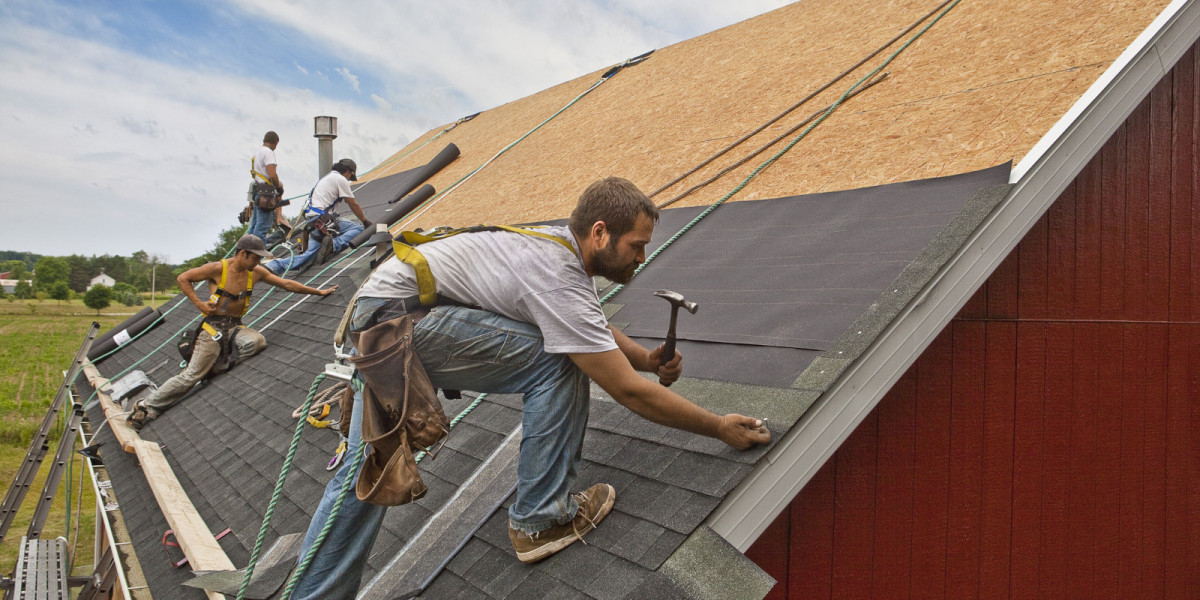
[(522, 277)]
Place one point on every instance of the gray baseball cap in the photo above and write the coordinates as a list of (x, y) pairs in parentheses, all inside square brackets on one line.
[(253, 245)]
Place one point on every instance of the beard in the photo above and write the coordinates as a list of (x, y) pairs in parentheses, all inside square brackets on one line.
[(608, 265)]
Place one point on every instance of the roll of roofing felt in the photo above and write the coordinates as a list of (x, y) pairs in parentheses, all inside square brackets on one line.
[(121, 334), (396, 212)]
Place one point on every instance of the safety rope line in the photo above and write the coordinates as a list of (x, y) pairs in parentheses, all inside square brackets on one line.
[(764, 147), (424, 206), (793, 107), (833, 107)]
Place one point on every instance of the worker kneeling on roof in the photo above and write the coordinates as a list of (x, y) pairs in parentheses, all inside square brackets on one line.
[(518, 313), (329, 233), (221, 338)]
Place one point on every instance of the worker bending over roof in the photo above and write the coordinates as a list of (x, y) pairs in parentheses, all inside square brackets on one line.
[(518, 313)]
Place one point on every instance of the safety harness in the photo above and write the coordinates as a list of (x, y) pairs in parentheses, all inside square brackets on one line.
[(405, 245)]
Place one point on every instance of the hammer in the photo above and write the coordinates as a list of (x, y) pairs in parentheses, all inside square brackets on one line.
[(676, 300)]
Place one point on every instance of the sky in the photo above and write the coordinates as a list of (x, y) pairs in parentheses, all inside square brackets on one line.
[(128, 125)]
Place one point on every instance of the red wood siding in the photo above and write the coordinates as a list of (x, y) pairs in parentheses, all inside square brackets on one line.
[(1047, 444)]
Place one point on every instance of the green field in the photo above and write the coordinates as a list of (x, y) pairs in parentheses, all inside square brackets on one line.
[(38, 339)]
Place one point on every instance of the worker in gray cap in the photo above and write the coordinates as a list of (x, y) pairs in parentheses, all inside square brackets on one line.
[(221, 339)]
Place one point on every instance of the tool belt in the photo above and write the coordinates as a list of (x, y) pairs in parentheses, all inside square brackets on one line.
[(223, 330), (266, 196), (401, 413)]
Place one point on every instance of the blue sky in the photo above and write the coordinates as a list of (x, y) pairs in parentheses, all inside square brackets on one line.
[(128, 125)]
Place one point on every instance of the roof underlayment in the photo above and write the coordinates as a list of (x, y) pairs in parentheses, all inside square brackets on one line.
[(864, 239)]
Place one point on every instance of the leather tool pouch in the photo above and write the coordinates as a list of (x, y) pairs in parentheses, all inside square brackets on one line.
[(401, 413), (266, 196)]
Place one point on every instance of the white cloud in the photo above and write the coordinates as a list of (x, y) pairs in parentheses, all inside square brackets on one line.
[(110, 152), (301, 69), (350, 78)]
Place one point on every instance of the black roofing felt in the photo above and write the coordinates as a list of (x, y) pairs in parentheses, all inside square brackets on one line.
[(774, 299)]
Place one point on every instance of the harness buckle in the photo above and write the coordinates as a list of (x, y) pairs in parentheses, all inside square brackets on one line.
[(339, 370)]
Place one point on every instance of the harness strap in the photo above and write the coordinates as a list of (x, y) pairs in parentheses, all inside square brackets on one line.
[(405, 248), (224, 297), (254, 173)]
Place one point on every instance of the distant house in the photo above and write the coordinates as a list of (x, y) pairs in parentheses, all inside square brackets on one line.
[(101, 279), (9, 285)]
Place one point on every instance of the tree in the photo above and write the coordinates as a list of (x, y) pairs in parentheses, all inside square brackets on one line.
[(48, 271), (99, 297), (113, 266), (15, 268), (126, 294), (61, 291), (23, 291), (81, 272)]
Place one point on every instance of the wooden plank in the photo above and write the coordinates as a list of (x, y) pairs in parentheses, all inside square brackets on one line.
[(1181, 472), (1028, 458), (1032, 277), (1185, 178), (1154, 457), (892, 562), (810, 573), (1087, 241), (996, 515), (1137, 204), (1131, 392), (1106, 467), (854, 518), (966, 460), (1056, 464), (125, 435), (194, 536), (1082, 503), (770, 552), (1112, 226), (976, 306), (1002, 289), (1060, 261), (1163, 136), (931, 483)]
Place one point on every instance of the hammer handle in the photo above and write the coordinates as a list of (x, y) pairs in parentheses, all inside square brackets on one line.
[(668, 355)]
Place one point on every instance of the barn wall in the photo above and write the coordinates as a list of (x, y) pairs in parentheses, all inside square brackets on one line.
[(1047, 444)]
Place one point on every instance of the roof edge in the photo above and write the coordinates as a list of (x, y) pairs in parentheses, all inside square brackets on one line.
[(1039, 179)]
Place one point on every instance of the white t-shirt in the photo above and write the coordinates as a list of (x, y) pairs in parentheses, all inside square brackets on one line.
[(331, 187), (262, 158), (522, 277)]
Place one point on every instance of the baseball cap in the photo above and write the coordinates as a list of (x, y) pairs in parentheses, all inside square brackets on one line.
[(253, 245)]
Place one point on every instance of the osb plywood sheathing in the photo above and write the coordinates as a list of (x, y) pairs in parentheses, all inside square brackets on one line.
[(978, 89)]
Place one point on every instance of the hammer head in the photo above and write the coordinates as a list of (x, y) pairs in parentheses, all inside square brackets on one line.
[(676, 299)]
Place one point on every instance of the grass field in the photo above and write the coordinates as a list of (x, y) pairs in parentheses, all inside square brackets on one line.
[(38, 339)]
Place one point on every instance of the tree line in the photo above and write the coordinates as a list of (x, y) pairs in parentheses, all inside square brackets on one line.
[(60, 278)]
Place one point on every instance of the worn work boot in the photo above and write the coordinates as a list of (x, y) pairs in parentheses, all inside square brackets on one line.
[(594, 505), (326, 250), (138, 416)]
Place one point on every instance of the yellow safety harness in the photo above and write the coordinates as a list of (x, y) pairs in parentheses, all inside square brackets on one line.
[(224, 297), (254, 173), (405, 247)]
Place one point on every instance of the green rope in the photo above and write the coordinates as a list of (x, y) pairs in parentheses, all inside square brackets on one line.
[(783, 151), (287, 465), (347, 483)]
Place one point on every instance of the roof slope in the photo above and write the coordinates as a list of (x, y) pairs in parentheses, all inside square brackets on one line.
[(796, 292)]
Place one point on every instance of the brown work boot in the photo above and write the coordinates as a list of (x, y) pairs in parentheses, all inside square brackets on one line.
[(594, 505), (138, 416)]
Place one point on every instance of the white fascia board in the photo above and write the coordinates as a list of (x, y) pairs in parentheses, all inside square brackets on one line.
[(1039, 179)]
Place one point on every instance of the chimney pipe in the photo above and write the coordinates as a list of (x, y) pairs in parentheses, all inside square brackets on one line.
[(325, 130)]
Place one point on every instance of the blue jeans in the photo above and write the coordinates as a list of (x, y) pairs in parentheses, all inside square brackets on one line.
[(260, 222), (349, 229), (475, 350)]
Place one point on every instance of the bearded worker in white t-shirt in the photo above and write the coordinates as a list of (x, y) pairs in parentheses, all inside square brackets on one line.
[(529, 308)]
